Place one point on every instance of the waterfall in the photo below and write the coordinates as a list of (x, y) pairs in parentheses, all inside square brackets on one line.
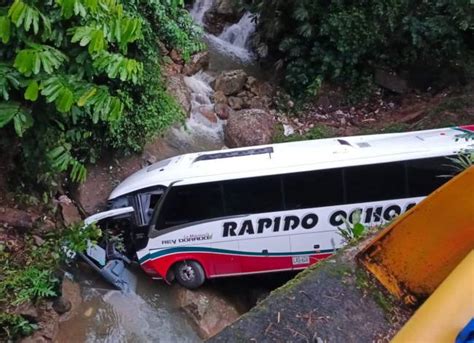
[(239, 34), (234, 41), (200, 8)]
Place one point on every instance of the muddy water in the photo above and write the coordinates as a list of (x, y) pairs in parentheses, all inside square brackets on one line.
[(108, 315), (150, 314)]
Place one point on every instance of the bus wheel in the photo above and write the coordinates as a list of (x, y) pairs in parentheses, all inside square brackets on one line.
[(190, 274)]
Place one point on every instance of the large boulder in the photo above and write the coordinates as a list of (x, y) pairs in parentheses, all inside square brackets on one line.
[(197, 62), (209, 312), (177, 87), (221, 14), (15, 218), (391, 81), (231, 82), (249, 127)]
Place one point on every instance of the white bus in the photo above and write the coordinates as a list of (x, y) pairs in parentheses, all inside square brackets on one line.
[(275, 207)]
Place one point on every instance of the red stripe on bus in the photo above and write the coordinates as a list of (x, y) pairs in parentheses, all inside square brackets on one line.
[(216, 264), (467, 127)]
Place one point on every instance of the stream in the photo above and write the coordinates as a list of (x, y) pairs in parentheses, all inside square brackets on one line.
[(151, 314)]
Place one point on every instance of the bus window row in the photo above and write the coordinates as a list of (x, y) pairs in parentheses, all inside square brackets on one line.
[(365, 183)]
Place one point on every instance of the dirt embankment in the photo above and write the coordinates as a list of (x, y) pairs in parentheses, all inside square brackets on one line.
[(334, 301)]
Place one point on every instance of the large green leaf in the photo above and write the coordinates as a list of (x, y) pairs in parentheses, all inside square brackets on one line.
[(4, 29), (28, 16), (31, 92), (39, 57)]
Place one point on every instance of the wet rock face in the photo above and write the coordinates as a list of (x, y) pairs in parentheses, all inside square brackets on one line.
[(198, 62), (209, 312), (231, 82), (249, 127), (177, 88), (222, 13)]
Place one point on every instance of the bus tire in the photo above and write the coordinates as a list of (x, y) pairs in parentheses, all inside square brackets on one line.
[(190, 274)]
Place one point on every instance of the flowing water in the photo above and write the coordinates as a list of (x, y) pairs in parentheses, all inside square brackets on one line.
[(151, 314)]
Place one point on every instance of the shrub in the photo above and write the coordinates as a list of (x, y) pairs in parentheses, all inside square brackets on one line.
[(343, 40), (80, 76)]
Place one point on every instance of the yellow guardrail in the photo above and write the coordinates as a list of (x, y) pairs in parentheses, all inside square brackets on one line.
[(447, 310), (413, 255)]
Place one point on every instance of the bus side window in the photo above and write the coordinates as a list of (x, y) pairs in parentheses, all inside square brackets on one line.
[(191, 203), (253, 195), (426, 175), (313, 189), (375, 182)]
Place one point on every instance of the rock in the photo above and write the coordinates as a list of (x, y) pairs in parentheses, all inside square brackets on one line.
[(221, 14), (176, 56), (15, 218), (262, 89), (249, 127), (258, 103), (222, 111), (250, 83), (288, 130), (390, 81), (236, 103), (220, 98), (208, 113), (48, 326), (38, 240), (61, 305), (209, 311), (231, 82), (198, 62), (27, 310), (71, 292), (69, 211), (214, 23), (163, 49), (93, 193), (177, 87), (148, 158), (226, 7)]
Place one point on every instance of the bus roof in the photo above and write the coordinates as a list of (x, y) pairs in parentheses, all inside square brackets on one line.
[(296, 156)]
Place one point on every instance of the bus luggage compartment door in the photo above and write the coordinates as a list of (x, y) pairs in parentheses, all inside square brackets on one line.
[(265, 254)]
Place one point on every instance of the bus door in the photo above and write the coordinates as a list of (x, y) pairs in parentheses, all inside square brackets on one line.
[(225, 259)]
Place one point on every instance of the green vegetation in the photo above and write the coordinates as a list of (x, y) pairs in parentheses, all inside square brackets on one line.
[(353, 230), (343, 41), (317, 132), (78, 77), (367, 285), (28, 266)]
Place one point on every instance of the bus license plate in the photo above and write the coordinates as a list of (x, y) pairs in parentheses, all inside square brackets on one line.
[(300, 259)]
